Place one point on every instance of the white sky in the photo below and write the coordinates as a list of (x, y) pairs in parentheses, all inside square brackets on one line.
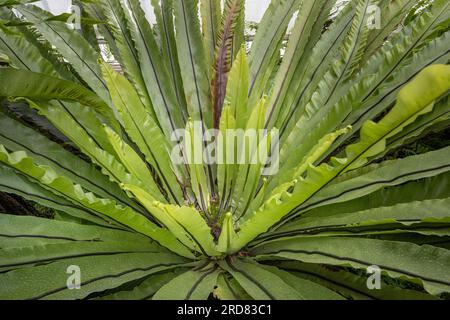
[(255, 8)]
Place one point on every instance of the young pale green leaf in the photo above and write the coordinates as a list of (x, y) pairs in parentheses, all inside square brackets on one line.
[(184, 222), (161, 215), (237, 89), (251, 163), (195, 226), (294, 167), (227, 234), (372, 178), (226, 168), (194, 151), (134, 164)]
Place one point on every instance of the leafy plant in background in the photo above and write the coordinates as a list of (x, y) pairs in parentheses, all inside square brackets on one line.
[(141, 227)]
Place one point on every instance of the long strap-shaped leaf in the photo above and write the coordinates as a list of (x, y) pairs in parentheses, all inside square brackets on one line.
[(16, 137), (143, 130), (28, 53), (365, 107), (250, 171), (260, 283), (14, 183), (211, 13), (65, 187), (436, 187), (19, 231), (99, 273), (227, 288), (235, 115), (146, 289), (192, 59), (349, 285), (154, 71), (224, 55), (191, 285), (392, 13), (17, 47), (28, 50), (398, 259), (374, 95), (297, 162), (435, 52), (194, 150), (424, 124), (304, 35), (185, 223), (36, 86), (134, 164), (419, 216), (390, 173), (327, 91), (267, 43), (71, 129), (121, 38), (23, 83), (226, 169), (17, 258), (166, 28), (309, 290), (312, 72), (71, 45), (237, 89), (413, 100)]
